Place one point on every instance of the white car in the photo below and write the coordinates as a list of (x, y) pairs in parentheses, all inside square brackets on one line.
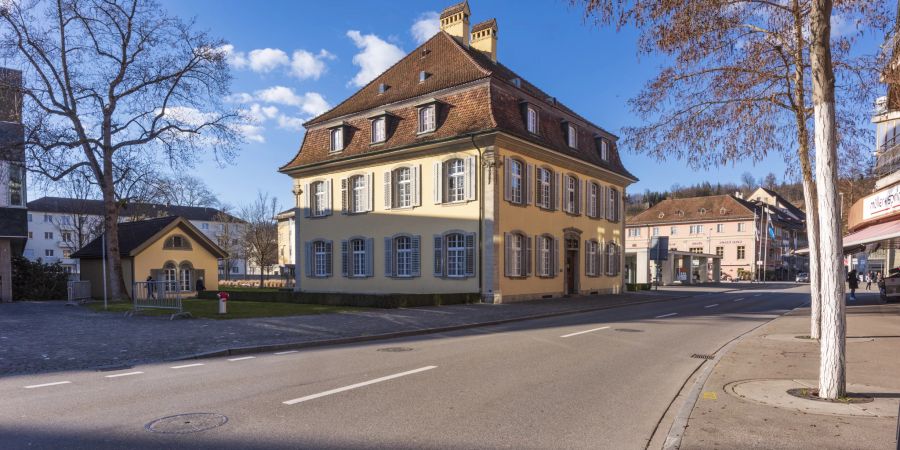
[(802, 277)]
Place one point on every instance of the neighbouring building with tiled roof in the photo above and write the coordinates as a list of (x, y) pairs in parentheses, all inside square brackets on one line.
[(450, 173), (746, 234), (59, 226), (12, 177)]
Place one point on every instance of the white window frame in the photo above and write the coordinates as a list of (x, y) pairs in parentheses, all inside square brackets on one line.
[(673, 231), (516, 181), (590, 249), (572, 136), (403, 256), (655, 231), (604, 149), (320, 259), (545, 188), (379, 130), (337, 139), (427, 118), (720, 228), (403, 187), (48, 253), (358, 194), (544, 251), (517, 261), (571, 201), (741, 252), (455, 256), (532, 120), (456, 180), (320, 198), (358, 258)]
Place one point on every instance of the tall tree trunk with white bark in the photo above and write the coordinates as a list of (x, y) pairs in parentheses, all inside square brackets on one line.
[(832, 376)]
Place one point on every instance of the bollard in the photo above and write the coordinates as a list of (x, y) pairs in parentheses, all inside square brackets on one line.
[(223, 298)]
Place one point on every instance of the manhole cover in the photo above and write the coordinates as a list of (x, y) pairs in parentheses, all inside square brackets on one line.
[(628, 330), (699, 356), (395, 349), (186, 423)]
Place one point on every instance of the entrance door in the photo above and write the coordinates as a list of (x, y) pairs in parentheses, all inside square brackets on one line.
[(571, 266)]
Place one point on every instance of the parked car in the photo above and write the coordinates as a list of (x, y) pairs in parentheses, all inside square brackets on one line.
[(891, 292), (802, 277)]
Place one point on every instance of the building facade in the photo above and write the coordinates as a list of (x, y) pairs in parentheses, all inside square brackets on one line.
[(449, 173), (746, 235), (13, 232), (58, 227)]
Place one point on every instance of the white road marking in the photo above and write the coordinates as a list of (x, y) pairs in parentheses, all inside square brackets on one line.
[(242, 358), (186, 366), (47, 384), (582, 332), (711, 306), (666, 315), (758, 295), (285, 353), (357, 385), (738, 299), (123, 374)]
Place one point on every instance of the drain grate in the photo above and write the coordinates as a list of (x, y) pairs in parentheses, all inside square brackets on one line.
[(395, 349), (186, 423), (702, 356)]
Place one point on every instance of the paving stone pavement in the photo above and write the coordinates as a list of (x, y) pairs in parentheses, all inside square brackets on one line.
[(50, 336)]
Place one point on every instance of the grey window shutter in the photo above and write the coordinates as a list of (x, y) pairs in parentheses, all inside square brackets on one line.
[(587, 259), (529, 184), (617, 267), (328, 197), (328, 258), (438, 255), (470, 254), (578, 196), (389, 257), (438, 183), (416, 243), (507, 254), (305, 200), (554, 257), (370, 191), (307, 259), (344, 203), (556, 192), (416, 187), (507, 178), (586, 197), (471, 175), (370, 257), (599, 257), (388, 199), (529, 249), (345, 258), (617, 203)]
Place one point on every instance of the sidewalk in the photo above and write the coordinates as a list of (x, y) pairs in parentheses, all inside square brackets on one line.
[(49, 336), (744, 405)]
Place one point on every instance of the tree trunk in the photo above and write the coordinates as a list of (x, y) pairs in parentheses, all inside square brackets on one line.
[(114, 282), (832, 376)]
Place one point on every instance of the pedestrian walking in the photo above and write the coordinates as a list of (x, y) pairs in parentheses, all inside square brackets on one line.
[(869, 277), (853, 283), (200, 286), (150, 293)]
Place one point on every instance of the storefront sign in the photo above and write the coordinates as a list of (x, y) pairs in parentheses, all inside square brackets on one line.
[(882, 203)]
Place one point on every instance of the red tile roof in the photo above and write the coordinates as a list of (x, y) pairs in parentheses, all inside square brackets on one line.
[(490, 23), (453, 9), (684, 210), (478, 95)]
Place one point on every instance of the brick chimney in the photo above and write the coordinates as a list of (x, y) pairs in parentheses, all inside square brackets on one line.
[(484, 38), (455, 21)]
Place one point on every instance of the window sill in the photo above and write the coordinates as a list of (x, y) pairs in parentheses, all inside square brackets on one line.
[(376, 144), (519, 204), (335, 152), (403, 277), (425, 133), (321, 216)]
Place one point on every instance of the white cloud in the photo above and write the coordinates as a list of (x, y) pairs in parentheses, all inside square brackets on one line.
[(260, 113), (311, 102), (426, 26), (290, 123), (193, 117), (307, 65), (252, 133), (267, 59), (239, 97), (375, 57), (234, 58)]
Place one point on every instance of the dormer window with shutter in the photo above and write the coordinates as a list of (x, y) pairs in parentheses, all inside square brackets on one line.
[(337, 139), (428, 116), (571, 135), (532, 119), (603, 148)]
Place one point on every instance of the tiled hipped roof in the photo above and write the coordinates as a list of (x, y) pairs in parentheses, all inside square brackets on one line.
[(131, 236), (682, 210), (476, 95)]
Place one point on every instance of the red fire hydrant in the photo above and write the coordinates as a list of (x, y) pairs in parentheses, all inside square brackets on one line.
[(223, 297)]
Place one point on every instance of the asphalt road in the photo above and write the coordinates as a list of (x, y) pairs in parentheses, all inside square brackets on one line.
[(594, 380)]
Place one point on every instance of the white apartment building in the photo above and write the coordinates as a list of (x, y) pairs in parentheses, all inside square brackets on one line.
[(59, 226)]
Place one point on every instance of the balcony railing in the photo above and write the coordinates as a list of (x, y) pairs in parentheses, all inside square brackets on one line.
[(887, 160)]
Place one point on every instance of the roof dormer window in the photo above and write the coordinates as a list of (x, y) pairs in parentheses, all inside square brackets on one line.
[(337, 139), (423, 75), (382, 88), (604, 149), (571, 135), (661, 215), (702, 211), (379, 129), (517, 82), (680, 213), (428, 118), (723, 211), (532, 119)]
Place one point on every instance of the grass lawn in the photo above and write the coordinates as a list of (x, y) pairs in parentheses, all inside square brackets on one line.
[(245, 289), (209, 309)]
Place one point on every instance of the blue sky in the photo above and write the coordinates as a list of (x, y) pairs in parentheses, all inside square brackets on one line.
[(294, 59)]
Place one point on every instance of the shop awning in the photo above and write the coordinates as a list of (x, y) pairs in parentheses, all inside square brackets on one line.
[(876, 233)]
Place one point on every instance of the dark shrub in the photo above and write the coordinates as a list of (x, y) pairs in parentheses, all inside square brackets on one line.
[(34, 280)]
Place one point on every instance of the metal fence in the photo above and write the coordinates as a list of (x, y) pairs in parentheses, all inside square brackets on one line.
[(78, 291), (156, 295)]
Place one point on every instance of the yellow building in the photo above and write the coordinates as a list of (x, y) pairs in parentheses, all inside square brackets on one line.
[(450, 173), (169, 249)]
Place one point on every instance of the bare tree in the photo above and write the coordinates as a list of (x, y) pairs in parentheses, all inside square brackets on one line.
[(261, 233), (737, 87), (770, 181), (108, 79), (79, 225), (748, 182), (184, 190), (832, 363), (230, 238)]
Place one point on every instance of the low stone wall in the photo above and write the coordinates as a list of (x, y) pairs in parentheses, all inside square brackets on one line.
[(335, 299)]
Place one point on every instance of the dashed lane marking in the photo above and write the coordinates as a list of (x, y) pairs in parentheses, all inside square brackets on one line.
[(242, 358), (758, 295), (117, 375), (357, 385), (286, 352), (666, 315), (583, 332), (738, 299), (186, 366), (57, 383), (711, 306)]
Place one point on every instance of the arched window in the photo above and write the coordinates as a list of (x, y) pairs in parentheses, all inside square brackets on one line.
[(403, 176), (177, 242), (170, 277), (320, 198), (358, 194), (545, 266), (516, 187), (185, 276), (456, 180)]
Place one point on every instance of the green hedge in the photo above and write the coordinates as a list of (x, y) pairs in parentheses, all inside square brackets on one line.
[(34, 280), (364, 300), (637, 287)]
